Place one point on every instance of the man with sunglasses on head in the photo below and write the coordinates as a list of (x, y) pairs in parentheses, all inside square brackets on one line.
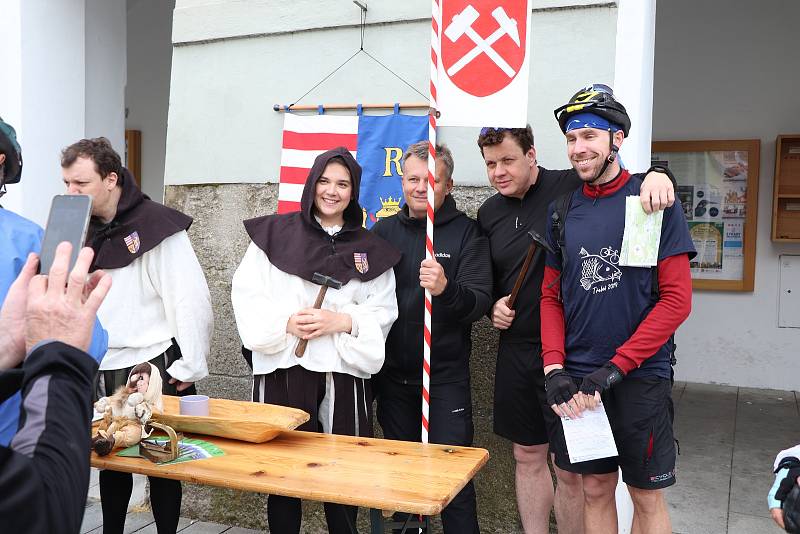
[(521, 412)]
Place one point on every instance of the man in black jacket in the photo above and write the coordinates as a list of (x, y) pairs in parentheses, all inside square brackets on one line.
[(44, 474), (459, 279)]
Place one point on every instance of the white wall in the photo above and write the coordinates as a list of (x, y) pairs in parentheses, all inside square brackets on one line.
[(48, 112), (221, 125), (106, 71), (44, 93), (147, 90), (729, 70)]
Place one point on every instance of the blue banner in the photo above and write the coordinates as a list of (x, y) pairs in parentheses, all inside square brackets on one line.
[(382, 140)]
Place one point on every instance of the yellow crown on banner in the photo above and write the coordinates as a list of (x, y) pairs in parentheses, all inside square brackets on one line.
[(389, 207)]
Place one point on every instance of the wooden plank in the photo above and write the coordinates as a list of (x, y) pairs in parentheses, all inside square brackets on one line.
[(375, 473)]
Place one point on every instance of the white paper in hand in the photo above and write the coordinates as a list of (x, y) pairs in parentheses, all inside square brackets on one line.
[(589, 437)]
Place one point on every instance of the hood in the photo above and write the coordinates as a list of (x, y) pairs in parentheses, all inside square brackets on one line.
[(296, 244), (352, 214), (153, 394), (139, 226)]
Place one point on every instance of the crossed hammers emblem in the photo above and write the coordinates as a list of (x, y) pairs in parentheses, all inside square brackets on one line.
[(462, 25)]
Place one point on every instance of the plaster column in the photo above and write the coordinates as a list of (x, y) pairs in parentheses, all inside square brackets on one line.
[(633, 86), (43, 94)]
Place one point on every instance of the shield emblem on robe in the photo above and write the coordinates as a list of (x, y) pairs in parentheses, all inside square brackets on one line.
[(133, 242), (360, 259)]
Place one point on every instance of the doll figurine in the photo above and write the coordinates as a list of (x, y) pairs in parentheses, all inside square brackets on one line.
[(126, 412)]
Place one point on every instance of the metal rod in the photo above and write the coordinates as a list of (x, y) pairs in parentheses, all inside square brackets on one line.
[(311, 107), (359, 4)]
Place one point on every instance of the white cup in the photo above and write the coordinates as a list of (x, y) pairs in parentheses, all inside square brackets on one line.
[(196, 405)]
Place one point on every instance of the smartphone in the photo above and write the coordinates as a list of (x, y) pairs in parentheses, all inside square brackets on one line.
[(68, 221)]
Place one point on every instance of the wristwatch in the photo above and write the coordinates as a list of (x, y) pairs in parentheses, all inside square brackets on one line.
[(665, 170)]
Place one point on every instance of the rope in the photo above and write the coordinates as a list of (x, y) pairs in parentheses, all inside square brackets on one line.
[(323, 79), (363, 29)]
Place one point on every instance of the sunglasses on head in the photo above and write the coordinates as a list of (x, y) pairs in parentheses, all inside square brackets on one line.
[(487, 129)]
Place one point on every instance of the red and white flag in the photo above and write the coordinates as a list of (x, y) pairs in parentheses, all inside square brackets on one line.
[(304, 138), (484, 63)]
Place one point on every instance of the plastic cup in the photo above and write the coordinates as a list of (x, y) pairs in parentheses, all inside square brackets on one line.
[(196, 405)]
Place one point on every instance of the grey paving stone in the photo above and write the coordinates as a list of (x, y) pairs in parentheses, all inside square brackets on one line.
[(135, 521), (183, 522), (239, 530), (92, 517), (748, 524), (766, 422), (677, 391), (203, 527), (699, 501)]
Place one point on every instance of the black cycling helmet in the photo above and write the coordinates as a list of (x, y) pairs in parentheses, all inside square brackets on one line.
[(10, 147), (598, 99)]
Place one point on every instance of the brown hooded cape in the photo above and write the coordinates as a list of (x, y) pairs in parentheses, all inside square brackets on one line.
[(138, 227), (296, 244)]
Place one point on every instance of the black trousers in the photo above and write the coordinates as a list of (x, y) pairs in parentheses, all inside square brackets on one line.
[(338, 403), (450, 416), (116, 487)]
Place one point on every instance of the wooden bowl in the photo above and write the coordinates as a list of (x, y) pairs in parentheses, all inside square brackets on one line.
[(254, 422)]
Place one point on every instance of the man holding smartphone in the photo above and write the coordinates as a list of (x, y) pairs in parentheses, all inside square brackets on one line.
[(18, 238), (158, 310)]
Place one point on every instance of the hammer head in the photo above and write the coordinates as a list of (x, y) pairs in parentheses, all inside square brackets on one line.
[(461, 23), (539, 240), (508, 24), (323, 280)]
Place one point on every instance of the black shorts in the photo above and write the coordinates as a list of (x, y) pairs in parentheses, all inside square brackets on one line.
[(519, 397), (640, 412)]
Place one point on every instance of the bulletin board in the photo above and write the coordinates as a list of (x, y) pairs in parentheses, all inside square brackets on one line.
[(718, 190)]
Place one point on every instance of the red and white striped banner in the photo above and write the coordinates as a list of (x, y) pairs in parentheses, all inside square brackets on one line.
[(304, 138)]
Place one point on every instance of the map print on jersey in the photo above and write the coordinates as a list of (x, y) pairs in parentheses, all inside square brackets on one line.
[(600, 269)]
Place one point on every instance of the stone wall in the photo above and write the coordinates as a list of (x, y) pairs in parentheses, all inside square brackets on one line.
[(220, 241)]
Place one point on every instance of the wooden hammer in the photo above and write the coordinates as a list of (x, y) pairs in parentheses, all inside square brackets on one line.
[(536, 239), (325, 282)]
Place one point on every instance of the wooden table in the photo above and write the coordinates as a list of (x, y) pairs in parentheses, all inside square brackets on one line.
[(375, 473)]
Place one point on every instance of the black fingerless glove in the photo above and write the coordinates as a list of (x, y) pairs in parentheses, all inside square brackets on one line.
[(601, 379), (559, 387)]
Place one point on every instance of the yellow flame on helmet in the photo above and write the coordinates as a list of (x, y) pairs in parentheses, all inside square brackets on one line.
[(579, 99)]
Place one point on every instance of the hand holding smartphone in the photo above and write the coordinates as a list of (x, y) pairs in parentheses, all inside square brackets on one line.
[(68, 221)]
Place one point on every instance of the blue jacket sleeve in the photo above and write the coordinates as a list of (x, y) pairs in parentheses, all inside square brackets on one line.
[(99, 345)]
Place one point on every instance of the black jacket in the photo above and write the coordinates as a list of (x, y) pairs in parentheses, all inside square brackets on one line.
[(44, 474), (464, 254), (506, 221)]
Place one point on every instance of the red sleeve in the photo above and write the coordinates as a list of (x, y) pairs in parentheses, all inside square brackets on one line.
[(552, 318), (673, 307)]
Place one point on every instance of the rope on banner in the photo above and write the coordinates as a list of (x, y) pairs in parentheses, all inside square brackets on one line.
[(426, 349), (362, 27)]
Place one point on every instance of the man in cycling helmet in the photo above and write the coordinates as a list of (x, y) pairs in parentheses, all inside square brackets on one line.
[(521, 413), (607, 328)]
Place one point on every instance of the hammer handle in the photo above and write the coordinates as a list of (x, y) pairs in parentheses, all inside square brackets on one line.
[(521, 276), (301, 347)]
